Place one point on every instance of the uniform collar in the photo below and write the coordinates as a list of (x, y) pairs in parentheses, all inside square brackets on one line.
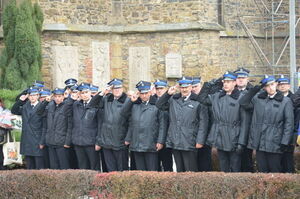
[(278, 96), (121, 99), (34, 104), (234, 94)]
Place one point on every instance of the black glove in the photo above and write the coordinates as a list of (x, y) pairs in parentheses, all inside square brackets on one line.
[(283, 147), (239, 149)]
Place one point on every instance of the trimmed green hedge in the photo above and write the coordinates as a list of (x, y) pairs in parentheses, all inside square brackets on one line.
[(136, 185)]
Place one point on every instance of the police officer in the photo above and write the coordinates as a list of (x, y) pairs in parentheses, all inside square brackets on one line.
[(188, 124), (204, 153), (32, 129), (59, 130), (228, 133), (288, 156), (243, 85), (113, 127), (45, 94), (85, 128), (74, 93), (147, 128), (165, 154), (69, 83), (272, 124)]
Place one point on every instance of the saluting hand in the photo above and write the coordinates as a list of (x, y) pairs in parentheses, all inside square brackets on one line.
[(134, 97), (23, 97), (48, 98), (67, 146), (172, 90)]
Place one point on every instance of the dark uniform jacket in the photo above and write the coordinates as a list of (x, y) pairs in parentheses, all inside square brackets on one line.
[(85, 124), (188, 121), (229, 124), (272, 121), (59, 124), (147, 127), (32, 126), (114, 122)]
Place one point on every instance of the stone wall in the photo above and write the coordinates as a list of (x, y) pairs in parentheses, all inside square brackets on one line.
[(155, 28)]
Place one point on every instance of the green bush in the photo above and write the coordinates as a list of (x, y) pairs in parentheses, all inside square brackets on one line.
[(9, 96), (21, 59), (136, 185)]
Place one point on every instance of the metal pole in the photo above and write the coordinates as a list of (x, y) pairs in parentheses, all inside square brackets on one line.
[(293, 45)]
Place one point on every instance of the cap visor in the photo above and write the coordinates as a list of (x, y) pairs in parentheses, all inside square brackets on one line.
[(185, 85)]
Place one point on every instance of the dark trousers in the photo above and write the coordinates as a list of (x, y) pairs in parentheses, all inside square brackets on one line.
[(165, 160), (185, 160), (34, 162), (204, 159), (87, 157), (102, 160), (1, 158), (146, 161), (132, 161), (268, 162), (46, 157), (287, 162), (116, 160), (59, 157), (230, 161), (247, 162), (73, 158)]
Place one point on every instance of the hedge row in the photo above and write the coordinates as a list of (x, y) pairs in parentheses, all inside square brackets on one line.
[(137, 185)]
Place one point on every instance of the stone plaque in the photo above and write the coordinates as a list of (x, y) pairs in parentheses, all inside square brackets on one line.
[(65, 64), (173, 65), (101, 64), (139, 65)]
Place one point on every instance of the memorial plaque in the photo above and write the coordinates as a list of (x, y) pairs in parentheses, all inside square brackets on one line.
[(65, 64), (173, 65), (101, 64), (139, 65)]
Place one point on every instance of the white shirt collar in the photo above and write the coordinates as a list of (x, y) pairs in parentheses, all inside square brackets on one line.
[(272, 96), (187, 97), (34, 104)]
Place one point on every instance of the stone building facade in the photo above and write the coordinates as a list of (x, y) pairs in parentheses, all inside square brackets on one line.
[(96, 40)]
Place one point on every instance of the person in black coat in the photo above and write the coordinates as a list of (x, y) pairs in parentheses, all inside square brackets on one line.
[(272, 124), (204, 153), (288, 164), (147, 128), (113, 126), (45, 94), (188, 124), (59, 130), (84, 131), (165, 160), (228, 133), (243, 85), (32, 129)]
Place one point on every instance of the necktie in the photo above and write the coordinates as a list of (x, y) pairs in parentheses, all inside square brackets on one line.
[(84, 104)]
